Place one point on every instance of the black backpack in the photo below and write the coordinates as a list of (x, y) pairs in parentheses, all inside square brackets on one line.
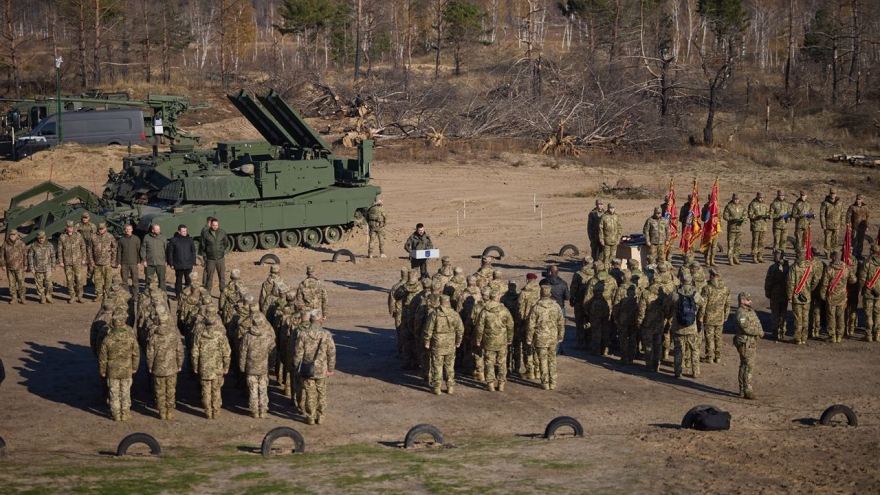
[(686, 311), (711, 419)]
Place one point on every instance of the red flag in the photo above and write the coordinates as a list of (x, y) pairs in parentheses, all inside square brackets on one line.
[(847, 246), (690, 231), (712, 225), (671, 215), (808, 243)]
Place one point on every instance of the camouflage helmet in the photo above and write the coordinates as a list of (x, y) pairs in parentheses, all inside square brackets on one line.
[(118, 319), (290, 296), (658, 210), (599, 266), (632, 264), (275, 269), (413, 275), (494, 294), (311, 270), (69, 224), (426, 283), (247, 298), (102, 225), (485, 291), (497, 275), (445, 299), (471, 280), (41, 234), (545, 291), (205, 298), (446, 260), (282, 288), (404, 272), (745, 296), (235, 274), (212, 319), (458, 270)]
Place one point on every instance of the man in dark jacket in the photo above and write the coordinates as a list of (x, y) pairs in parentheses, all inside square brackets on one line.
[(558, 287), (213, 246), (128, 252), (153, 255), (181, 255), (419, 241)]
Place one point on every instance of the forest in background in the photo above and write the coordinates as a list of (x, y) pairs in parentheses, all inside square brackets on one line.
[(571, 74)]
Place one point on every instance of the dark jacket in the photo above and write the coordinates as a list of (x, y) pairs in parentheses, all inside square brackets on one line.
[(418, 242), (128, 250), (558, 289), (153, 249), (181, 252), (213, 245)]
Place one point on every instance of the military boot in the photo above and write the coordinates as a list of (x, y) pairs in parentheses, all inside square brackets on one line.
[(545, 386), (490, 387), (162, 414), (21, 300), (435, 390), (169, 415), (49, 300), (750, 395), (310, 420), (500, 387), (319, 420), (868, 337), (450, 390)]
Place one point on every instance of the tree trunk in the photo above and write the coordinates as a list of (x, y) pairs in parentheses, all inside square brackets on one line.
[(96, 44), (12, 53), (357, 42), (790, 53), (81, 42), (665, 88), (708, 131), (148, 63), (166, 48), (441, 8)]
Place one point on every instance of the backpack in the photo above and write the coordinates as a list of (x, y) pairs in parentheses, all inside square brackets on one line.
[(686, 311), (711, 419)]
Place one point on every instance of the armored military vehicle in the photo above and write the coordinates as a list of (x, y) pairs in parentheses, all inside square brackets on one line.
[(289, 190)]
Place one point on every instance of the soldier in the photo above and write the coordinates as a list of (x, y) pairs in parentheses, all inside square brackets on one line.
[(484, 273), (578, 286), (445, 272), (311, 293), (72, 257), (759, 213), (735, 215), (687, 304), (775, 289), (128, 252), (802, 212), (475, 352), (429, 303), (857, 217), (102, 256), (87, 230), (635, 274), (443, 334), (316, 359), (830, 218), (118, 360), (180, 255), (13, 257), (153, 260), (395, 309), (210, 359), (405, 295), (510, 299), (833, 292), (593, 220), (708, 248), (617, 272), (418, 241), (299, 322), (558, 288), (653, 312), (229, 294), (869, 277), (497, 282), (598, 298), (625, 313), (257, 350), (817, 303), (656, 231), (494, 332), (802, 280), (164, 360), (609, 234), (376, 218), (523, 355), (716, 295), (102, 324), (669, 284), (780, 212), (268, 287), (748, 330), (455, 286), (40, 261), (546, 330)]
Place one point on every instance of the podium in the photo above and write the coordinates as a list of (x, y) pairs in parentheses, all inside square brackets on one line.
[(632, 251), (424, 254)]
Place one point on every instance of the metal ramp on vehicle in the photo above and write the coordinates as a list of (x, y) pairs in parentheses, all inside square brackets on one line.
[(303, 134), (262, 121)]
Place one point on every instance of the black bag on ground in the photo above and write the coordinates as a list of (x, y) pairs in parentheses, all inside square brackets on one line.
[(686, 310), (711, 419)]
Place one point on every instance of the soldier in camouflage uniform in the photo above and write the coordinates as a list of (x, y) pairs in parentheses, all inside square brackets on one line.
[(100, 326), (443, 334), (311, 293), (87, 230), (775, 289), (780, 212), (404, 295), (376, 218), (164, 360), (546, 329), (409, 316), (634, 273), (445, 272), (610, 231), (686, 337), (801, 282), (869, 281), (211, 360), (72, 257), (656, 231), (119, 296), (717, 306), (484, 273), (102, 259), (510, 299), (268, 287), (857, 217), (230, 294), (759, 213), (653, 311), (474, 352), (494, 332), (598, 298), (578, 286), (625, 313), (497, 283), (748, 331), (315, 346), (429, 303), (735, 215), (257, 351), (817, 303), (831, 218), (455, 286), (118, 360), (616, 272), (40, 261), (802, 212), (523, 355), (13, 257), (299, 322), (395, 309), (834, 292), (593, 220)]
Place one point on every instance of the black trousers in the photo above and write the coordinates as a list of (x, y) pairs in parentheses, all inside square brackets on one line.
[(421, 264), (181, 279)]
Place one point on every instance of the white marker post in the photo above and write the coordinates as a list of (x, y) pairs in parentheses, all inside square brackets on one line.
[(457, 225), (542, 218)]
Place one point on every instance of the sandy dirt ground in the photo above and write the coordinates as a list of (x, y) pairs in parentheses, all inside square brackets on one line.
[(530, 206)]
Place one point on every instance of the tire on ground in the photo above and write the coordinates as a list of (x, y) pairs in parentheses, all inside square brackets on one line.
[(836, 409), (560, 422), (493, 249), (144, 438), (299, 444), (269, 258), (690, 416), (569, 247), (422, 429), (344, 252)]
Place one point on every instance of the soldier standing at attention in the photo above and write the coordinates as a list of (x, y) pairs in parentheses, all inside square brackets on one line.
[(213, 246), (775, 289), (857, 216), (418, 241), (759, 213), (802, 212), (656, 232), (376, 218), (102, 256), (522, 351), (869, 281), (687, 304), (610, 231), (118, 360), (164, 360), (445, 272), (153, 260), (72, 257), (802, 280), (395, 309), (315, 360), (717, 299), (210, 359), (598, 298), (87, 230), (735, 215), (13, 257), (181, 256), (653, 312), (748, 331), (546, 330), (494, 332), (578, 286), (128, 252), (268, 287), (257, 350), (443, 334), (484, 273), (830, 218), (311, 293), (780, 212), (593, 220), (625, 313), (41, 260), (833, 292)]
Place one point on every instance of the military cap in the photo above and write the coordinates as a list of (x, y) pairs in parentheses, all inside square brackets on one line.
[(247, 297), (511, 282), (41, 234), (858, 196), (588, 260), (69, 223), (102, 225), (213, 319), (633, 263), (206, 298), (496, 274), (119, 319), (545, 290), (282, 287), (599, 266), (414, 274), (662, 268), (713, 272), (485, 291), (235, 274), (531, 276), (471, 279), (254, 307), (658, 210), (315, 314), (274, 269), (760, 195), (404, 272), (615, 262), (13, 232), (687, 278), (458, 270), (485, 259), (436, 285), (290, 296), (85, 214), (780, 192), (650, 258), (832, 191), (599, 202), (735, 196), (445, 259), (610, 205), (745, 296), (444, 299), (310, 269), (802, 193), (211, 307), (163, 316), (426, 283)]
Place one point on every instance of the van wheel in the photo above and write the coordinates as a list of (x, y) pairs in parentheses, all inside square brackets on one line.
[(561, 421), (134, 438), (299, 444), (834, 410), (422, 429)]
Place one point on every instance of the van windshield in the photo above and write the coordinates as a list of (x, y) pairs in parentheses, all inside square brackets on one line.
[(46, 129)]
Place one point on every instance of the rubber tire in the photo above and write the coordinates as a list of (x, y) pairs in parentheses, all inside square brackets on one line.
[(422, 429), (288, 236), (561, 421), (2, 372), (311, 237), (495, 249), (268, 239), (344, 252), (569, 247), (269, 257), (299, 444), (688, 420), (338, 234), (836, 409), (144, 438), (246, 242)]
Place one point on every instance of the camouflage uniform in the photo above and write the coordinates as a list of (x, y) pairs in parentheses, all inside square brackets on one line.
[(593, 220), (775, 289), (455, 286), (376, 218), (759, 213), (41, 261), (257, 351), (656, 231), (87, 230), (610, 231), (780, 212), (523, 353), (735, 215), (299, 322), (229, 296), (686, 337), (404, 295), (102, 256), (268, 287), (748, 331), (164, 360), (717, 306), (484, 274), (72, 253), (429, 303), (118, 359), (802, 212), (869, 281), (100, 326), (653, 312), (13, 256), (830, 219), (857, 217), (494, 332), (315, 345), (800, 301), (443, 334), (546, 329), (395, 309), (598, 298), (211, 359), (497, 283), (817, 303), (578, 286), (444, 273), (312, 295), (625, 312), (833, 292), (474, 355)]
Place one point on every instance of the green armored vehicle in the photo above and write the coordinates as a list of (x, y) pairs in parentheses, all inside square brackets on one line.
[(287, 190)]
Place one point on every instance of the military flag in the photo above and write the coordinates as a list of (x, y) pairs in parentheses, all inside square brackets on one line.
[(808, 243), (712, 222), (847, 246), (690, 231), (670, 216)]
